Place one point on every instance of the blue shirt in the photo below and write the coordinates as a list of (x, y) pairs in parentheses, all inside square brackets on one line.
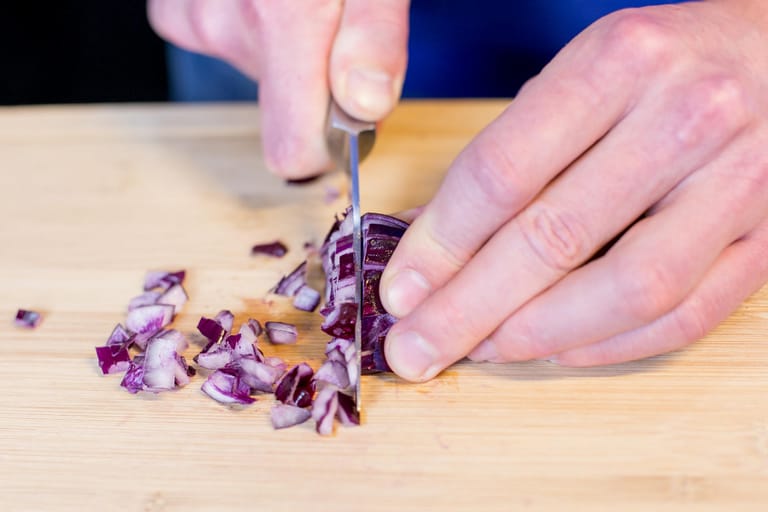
[(457, 48)]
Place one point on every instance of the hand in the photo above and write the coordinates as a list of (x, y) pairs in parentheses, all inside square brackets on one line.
[(295, 50), (651, 126)]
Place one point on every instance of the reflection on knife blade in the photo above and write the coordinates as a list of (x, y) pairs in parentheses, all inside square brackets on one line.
[(344, 138)]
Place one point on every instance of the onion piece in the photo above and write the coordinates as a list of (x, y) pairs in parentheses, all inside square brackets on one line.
[(145, 299), (174, 296), (347, 411), (161, 368), (119, 336), (324, 410), (226, 319), (284, 416), (227, 388), (281, 333), (276, 249), (160, 279), (27, 318), (333, 372), (149, 319), (306, 298), (289, 285), (296, 387), (113, 358)]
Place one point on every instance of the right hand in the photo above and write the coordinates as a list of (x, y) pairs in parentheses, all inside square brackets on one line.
[(299, 52)]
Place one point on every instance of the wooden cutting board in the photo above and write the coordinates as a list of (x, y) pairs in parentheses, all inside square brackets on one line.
[(92, 197)]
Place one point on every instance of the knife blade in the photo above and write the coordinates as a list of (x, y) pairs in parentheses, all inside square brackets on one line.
[(349, 141)]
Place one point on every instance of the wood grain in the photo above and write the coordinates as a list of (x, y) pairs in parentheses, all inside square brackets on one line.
[(92, 197)]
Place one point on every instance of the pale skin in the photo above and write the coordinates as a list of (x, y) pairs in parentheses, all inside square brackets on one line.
[(652, 124)]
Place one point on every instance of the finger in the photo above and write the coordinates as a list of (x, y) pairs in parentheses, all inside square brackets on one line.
[(739, 272), (369, 57), (409, 215), (557, 116), (569, 221), (212, 27), (646, 274), (295, 40)]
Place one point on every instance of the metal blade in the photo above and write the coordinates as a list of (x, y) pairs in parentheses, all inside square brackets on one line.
[(347, 139)]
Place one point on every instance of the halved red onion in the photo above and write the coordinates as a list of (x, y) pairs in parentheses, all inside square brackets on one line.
[(276, 249), (113, 358), (281, 333), (227, 388), (27, 318), (381, 235), (306, 298), (283, 415)]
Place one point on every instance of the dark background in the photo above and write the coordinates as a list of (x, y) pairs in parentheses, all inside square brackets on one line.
[(80, 51)]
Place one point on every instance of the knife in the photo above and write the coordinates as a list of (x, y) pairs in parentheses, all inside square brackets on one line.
[(349, 141)]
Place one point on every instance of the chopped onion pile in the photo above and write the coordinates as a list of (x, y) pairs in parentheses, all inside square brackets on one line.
[(238, 368), (381, 234), (160, 367), (27, 318)]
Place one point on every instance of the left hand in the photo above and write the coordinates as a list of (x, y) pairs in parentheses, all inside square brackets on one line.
[(658, 114)]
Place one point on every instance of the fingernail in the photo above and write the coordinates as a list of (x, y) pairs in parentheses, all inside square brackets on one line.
[(411, 356), (372, 90), (485, 351), (406, 290)]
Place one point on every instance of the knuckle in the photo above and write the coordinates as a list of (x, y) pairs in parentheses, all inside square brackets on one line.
[(518, 341), (713, 105), (493, 175), (215, 32), (290, 159), (557, 238), (693, 321), (636, 38), (647, 289)]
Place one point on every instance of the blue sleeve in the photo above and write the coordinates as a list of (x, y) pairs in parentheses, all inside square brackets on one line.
[(457, 48)]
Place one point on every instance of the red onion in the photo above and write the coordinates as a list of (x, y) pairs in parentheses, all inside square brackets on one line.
[(27, 318), (113, 358), (296, 387), (381, 235), (284, 416), (227, 388), (276, 249), (306, 298), (281, 333), (289, 285)]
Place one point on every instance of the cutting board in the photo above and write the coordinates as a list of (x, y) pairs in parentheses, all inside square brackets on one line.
[(91, 197)]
